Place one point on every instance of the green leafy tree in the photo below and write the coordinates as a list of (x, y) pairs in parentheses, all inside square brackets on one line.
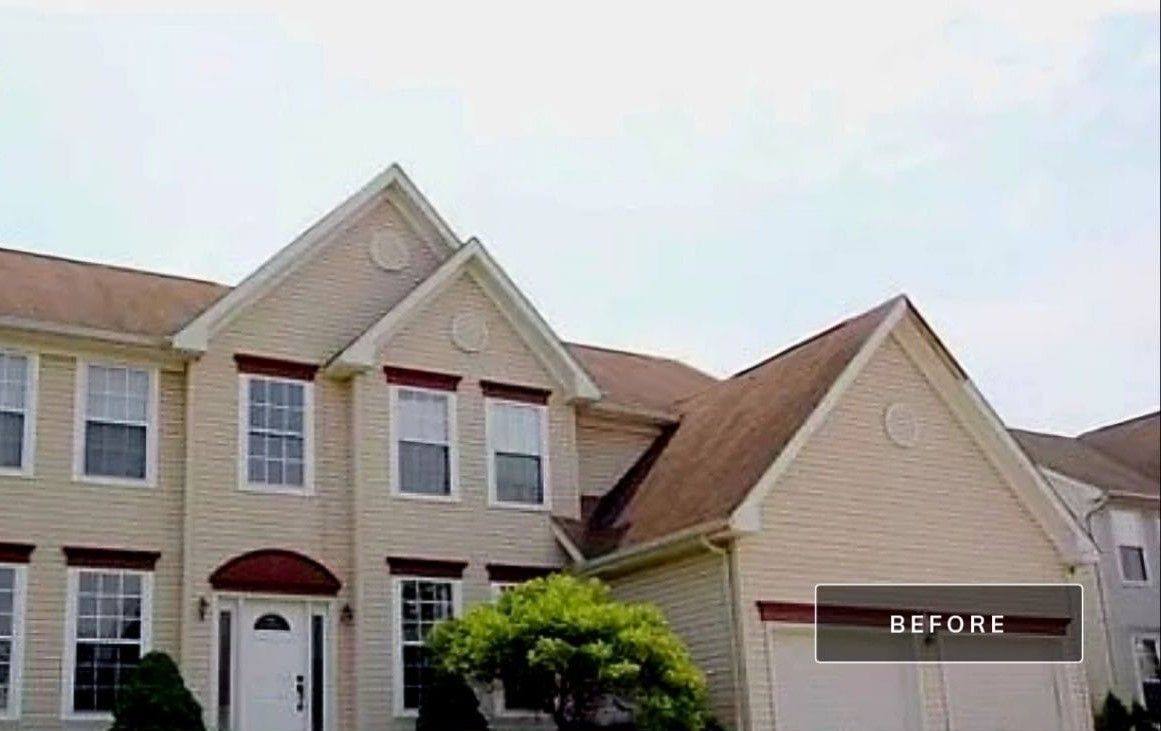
[(572, 648), (449, 704), (154, 698)]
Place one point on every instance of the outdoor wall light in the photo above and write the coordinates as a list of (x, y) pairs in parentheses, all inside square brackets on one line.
[(203, 608), (346, 614)]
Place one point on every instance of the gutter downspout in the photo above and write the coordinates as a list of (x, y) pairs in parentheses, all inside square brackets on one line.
[(1110, 657), (732, 593)]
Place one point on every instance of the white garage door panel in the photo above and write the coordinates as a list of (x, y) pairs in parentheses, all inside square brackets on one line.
[(1003, 698), (809, 696)]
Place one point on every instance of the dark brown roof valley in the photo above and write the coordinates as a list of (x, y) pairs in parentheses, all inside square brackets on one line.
[(1079, 460), (1136, 442), (728, 436)]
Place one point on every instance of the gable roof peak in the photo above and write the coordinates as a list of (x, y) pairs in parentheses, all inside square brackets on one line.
[(194, 337)]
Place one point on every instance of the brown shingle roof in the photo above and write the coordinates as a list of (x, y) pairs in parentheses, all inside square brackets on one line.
[(1076, 459), (83, 294), (728, 436), (60, 291), (1136, 442), (639, 381)]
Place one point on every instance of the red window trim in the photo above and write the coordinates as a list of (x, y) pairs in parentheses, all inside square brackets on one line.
[(400, 376), (275, 571), (511, 392), (259, 365), (16, 552), (427, 567), (110, 558), (803, 613), (515, 574)]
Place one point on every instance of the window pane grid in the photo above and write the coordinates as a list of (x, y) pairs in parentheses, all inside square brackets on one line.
[(116, 421), (13, 405), (515, 432), (423, 442), (275, 452), (422, 605), (107, 636), (7, 632)]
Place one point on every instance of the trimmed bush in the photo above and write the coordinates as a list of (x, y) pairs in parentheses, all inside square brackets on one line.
[(154, 698)]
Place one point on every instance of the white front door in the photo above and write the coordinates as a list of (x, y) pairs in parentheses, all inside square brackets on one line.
[(274, 659)]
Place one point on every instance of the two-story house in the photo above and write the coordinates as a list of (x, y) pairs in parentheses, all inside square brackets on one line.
[(1110, 479), (286, 483)]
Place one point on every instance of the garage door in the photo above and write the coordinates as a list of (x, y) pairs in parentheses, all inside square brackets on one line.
[(1003, 698), (809, 696)]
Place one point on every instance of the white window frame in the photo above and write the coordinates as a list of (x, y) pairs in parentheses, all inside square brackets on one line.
[(397, 632), (81, 413), (1137, 521), (16, 668), (308, 488), (68, 665), (545, 471), (31, 393), (453, 454), (1137, 666)]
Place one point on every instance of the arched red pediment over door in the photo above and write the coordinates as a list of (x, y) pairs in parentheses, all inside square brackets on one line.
[(275, 571)]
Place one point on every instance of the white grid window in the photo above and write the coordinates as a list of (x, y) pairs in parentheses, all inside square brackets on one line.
[(15, 407), (421, 604), (110, 626), (11, 638), (424, 451), (1129, 536), (118, 407), (516, 439), (277, 420)]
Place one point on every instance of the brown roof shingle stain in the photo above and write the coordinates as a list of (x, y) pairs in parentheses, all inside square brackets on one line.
[(639, 381), (728, 436), (1136, 442), (1081, 461), (82, 294)]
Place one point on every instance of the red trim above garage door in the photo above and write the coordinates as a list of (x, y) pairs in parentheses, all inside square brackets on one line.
[(275, 571)]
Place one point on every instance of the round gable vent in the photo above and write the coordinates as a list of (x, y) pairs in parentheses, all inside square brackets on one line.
[(469, 332), (901, 424), (389, 251)]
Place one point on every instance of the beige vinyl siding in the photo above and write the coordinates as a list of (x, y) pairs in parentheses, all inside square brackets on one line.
[(337, 293), (468, 530), (853, 506), (606, 449), (50, 510), (315, 311), (694, 594)]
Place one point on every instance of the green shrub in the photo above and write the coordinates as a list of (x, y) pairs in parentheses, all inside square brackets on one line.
[(573, 648), (154, 698), (449, 704)]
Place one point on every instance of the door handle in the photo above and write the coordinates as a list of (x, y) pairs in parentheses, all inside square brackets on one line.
[(300, 689)]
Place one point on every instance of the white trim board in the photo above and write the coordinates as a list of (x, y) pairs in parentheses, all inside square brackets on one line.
[(195, 336)]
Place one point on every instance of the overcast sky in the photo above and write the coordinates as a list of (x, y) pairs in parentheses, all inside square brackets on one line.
[(712, 186)]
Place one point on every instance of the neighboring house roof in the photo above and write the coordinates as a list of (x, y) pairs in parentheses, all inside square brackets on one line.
[(729, 434), (1076, 458), (1136, 442), (50, 290), (636, 381), (473, 259)]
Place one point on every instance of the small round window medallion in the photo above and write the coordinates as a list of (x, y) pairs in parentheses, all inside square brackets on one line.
[(901, 425), (389, 251), (469, 332)]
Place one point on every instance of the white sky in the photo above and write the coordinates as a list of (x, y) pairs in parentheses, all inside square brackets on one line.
[(707, 185)]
